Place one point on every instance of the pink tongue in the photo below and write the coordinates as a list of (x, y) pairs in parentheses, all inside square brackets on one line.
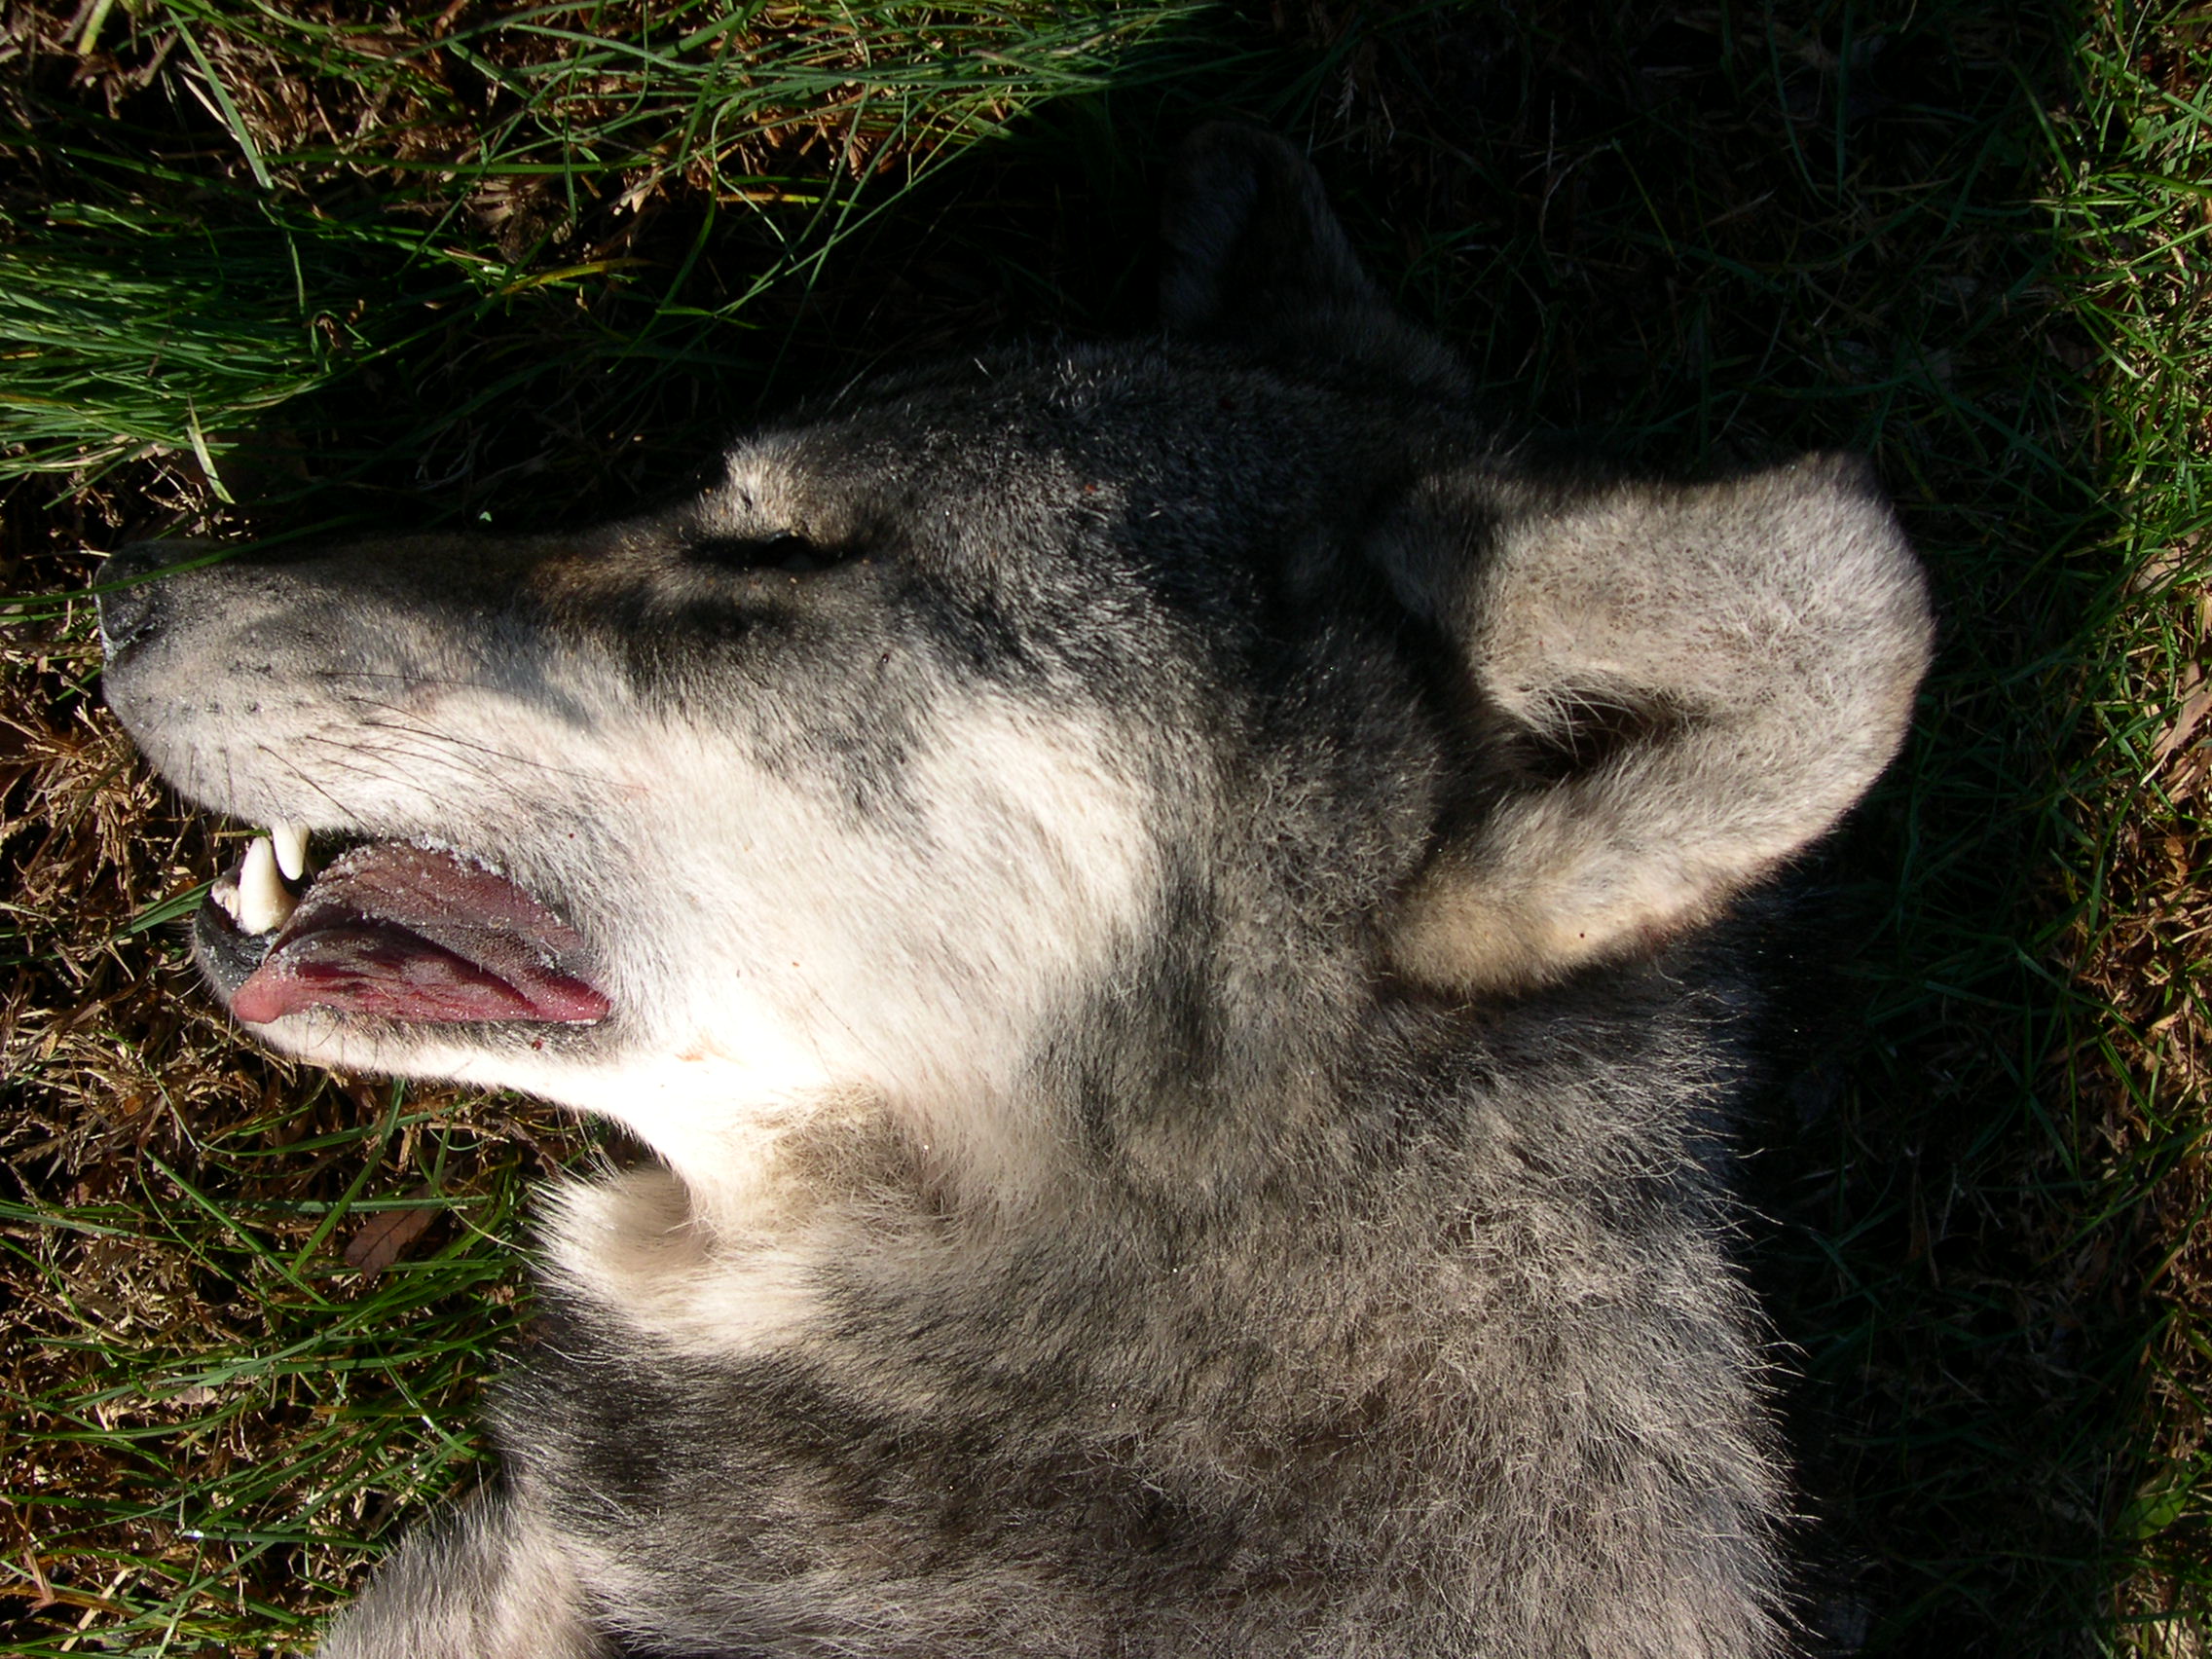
[(419, 935)]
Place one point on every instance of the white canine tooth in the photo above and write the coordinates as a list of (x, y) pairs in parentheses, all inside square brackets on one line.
[(263, 902), (292, 843)]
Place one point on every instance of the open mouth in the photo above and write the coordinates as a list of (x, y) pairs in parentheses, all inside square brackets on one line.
[(404, 931)]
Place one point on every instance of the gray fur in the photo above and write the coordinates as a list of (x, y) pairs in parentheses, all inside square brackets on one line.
[(1154, 905)]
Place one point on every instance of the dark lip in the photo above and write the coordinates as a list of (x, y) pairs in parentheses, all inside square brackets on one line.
[(226, 955)]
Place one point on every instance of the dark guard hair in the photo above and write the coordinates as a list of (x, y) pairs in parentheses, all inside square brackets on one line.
[(1154, 904)]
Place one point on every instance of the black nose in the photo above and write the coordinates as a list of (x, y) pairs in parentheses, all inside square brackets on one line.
[(128, 614)]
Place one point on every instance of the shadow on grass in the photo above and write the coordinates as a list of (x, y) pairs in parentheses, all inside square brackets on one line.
[(1689, 238)]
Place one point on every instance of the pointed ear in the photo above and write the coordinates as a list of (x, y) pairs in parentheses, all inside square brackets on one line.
[(1255, 258), (1720, 670)]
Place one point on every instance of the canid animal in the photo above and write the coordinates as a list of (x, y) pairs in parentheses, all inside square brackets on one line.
[(1152, 903)]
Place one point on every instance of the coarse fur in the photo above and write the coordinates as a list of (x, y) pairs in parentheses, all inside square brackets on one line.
[(1152, 903)]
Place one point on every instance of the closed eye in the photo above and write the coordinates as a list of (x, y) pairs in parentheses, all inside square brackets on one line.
[(786, 550)]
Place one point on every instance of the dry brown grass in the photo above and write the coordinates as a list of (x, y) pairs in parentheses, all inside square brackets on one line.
[(2142, 946)]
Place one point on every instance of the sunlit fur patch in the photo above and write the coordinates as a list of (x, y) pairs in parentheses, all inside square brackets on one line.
[(767, 946)]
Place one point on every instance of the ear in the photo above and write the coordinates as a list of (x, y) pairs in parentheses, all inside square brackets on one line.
[(1254, 258), (1737, 662)]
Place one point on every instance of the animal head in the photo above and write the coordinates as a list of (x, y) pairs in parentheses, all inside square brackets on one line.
[(978, 693)]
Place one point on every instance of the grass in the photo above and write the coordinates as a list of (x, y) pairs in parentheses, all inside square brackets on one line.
[(152, 1459), (261, 272), (2136, 925), (381, 189)]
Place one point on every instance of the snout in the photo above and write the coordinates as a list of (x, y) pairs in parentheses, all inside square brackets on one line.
[(130, 597)]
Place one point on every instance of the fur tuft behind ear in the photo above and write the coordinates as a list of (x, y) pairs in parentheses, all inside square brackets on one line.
[(1758, 641), (1255, 257)]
